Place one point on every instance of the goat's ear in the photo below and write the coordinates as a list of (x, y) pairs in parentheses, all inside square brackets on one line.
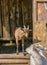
[(24, 27), (28, 27)]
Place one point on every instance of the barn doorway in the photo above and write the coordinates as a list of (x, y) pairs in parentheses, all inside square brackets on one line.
[(14, 14)]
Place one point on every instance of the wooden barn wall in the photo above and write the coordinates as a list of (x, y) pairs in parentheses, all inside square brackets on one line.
[(5, 16), (39, 26), (9, 17), (0, 21), (14, 13)]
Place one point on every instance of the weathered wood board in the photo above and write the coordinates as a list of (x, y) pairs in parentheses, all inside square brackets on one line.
[(14, 59)]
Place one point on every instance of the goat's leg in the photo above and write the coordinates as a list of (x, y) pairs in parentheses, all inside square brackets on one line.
[(23, 46), (17, 46), (17, 49)]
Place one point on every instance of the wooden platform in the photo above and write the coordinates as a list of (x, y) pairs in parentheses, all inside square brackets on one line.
[(14, 59)]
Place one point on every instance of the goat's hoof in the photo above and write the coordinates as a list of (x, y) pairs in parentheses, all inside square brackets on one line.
[(17, 52), (24, 53)]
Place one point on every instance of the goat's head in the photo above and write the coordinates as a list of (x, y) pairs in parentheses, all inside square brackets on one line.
[(26, 30)]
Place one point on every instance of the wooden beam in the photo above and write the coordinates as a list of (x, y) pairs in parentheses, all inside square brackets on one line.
[(15, 64), (11, 39), (0, 20), (41, 0), (15, 59), (18, 61), (14, 56), (8, 39)]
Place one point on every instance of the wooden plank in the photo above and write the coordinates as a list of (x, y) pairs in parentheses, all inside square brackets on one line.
[(12, 17), (11, 38), (6, 20), (14, 64), (14, 59), (0, 28), (14, 56), (0, 19), (41, 0), (7, 39), (18, 61), (8, 44)]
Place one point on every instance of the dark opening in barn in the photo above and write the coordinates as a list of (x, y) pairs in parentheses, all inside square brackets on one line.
[(14, 14)]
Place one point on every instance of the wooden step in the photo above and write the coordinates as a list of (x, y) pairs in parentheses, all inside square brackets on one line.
[(15, 59), (13, 56)]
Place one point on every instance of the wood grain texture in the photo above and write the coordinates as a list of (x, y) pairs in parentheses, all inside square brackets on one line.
[(14, 59), (18, 61), (14, 64), (14, 56)]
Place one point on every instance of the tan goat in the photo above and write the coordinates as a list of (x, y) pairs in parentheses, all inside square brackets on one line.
[(21, 34)]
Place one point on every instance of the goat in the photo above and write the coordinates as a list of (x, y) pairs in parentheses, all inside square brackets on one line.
[(36, 54), (21, 34)]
